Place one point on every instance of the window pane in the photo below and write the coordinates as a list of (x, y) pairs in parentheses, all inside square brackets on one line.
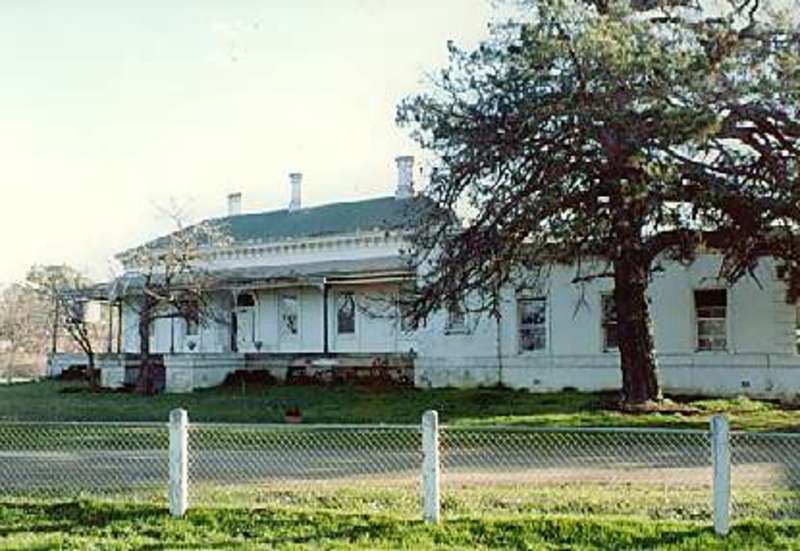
[(711, 343), (404, 312), (711, 327), (455, 317), (532, 323), (711, 311), (797, 327), (245, 300), (610, 339), (192, 318), (710, 298), (345, 314), (191, 326), (609, 313), (532, 312), (533, 339)]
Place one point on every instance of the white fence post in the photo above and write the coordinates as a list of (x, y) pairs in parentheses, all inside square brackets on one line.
[(430, 466), (178, 462), (721, 454)]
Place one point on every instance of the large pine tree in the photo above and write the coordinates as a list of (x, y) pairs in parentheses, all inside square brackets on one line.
[(610, 137)]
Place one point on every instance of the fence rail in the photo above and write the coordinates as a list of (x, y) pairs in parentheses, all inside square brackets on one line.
[(411, 470)]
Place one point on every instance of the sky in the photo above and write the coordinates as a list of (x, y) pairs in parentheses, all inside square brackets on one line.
[(112, 110)]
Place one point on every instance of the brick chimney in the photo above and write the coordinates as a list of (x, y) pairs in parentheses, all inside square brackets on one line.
[(296, 182), (405, 177), (234, 204)]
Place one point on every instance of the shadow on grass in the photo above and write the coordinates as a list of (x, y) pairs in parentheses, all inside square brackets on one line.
[(71, 516), (102, 524)]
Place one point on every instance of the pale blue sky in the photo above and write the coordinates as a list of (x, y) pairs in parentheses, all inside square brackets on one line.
[(108, 108)]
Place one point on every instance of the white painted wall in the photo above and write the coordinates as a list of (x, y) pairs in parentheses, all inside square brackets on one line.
[(378, 328), (212, 337), (761, 358)]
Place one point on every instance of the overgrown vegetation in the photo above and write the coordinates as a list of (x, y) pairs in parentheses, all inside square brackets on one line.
[(63, 401)]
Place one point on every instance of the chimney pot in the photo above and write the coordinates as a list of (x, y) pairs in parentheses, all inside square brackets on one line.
[(405, 177), (234, 204), (296, 182)]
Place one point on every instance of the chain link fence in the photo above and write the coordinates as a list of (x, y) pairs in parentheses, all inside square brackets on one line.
[(658, 473), (66, 460), (357, 468), (765, 475), (483, 471)]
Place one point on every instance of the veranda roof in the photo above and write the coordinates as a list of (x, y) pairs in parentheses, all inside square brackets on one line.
[(337, 270)]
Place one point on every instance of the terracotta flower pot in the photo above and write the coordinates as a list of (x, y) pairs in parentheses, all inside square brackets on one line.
[(293, 419)]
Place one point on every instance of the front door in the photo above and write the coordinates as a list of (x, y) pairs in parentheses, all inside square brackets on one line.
[(288, 322), (245, 316)]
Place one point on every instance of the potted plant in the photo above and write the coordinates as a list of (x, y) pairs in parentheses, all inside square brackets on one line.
[(292, 415), (191, 345)]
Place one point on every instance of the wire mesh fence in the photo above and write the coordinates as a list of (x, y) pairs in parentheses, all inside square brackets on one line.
[(658, 473), (765, 475), (67, 460), (358, 468)]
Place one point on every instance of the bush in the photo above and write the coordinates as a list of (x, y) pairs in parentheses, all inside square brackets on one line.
[(247, 376)]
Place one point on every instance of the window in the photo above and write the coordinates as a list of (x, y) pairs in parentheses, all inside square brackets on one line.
[(289, 315), (192, 320), (797, 327), (192, 325), (345, 314), (456, 319), (532, 323), (245, 300), (609, 312), (404, 312), (711, 309)]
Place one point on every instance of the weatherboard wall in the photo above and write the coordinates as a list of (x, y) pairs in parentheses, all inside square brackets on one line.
[(761, 356)]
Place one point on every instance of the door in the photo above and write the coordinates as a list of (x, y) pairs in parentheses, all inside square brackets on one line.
[(288, 322), (245, 315)]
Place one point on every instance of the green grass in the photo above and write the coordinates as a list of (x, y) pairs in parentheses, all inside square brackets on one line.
[(56, 401), (92, 525)]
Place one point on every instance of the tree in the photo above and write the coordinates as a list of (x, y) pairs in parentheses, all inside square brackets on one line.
[(23, 325), (69, 292), (611, 138), (169, 278)]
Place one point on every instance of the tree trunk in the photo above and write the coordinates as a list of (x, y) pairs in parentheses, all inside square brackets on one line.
[(144, 382), (634, 332), (92, 373), (10, 365)]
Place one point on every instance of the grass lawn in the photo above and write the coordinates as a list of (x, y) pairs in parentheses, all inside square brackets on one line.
[(56, 401), (91, 525)]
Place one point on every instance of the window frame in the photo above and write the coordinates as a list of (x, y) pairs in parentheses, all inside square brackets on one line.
[(451, 328), (797, 327), (192, 326), (522, 298), (726, 348), (604, 297), (403, 323)]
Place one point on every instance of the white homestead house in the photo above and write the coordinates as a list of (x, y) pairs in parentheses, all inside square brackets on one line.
[(302, 285)]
